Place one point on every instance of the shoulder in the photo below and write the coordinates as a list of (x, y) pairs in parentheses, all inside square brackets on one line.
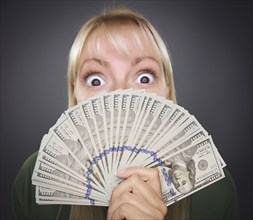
[(23, 202), (26, 170), (29, 163), (22, 189), (217, 201)]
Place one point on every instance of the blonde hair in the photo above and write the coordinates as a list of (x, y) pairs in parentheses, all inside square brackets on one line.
[(106, 22)]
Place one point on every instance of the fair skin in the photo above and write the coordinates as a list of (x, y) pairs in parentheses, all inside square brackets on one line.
[(139, 196), (118, 71)]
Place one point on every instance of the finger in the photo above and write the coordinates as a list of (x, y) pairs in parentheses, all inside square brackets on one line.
[(134, 184), (149, 175), (127, 211), (132, 199), (143, 172)]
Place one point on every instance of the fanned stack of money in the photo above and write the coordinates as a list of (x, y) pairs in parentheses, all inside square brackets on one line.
[(80, 154)]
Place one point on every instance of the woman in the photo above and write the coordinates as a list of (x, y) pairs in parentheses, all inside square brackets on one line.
[(120, 50)]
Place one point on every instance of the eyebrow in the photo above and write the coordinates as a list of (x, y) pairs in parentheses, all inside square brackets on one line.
[(100, 61), (105, 63), (139, 59)]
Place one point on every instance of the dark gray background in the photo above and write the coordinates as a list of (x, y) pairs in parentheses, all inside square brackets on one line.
[(211, 48)]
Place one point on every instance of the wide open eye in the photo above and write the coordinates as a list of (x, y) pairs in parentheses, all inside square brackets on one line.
[(145, 78), (94, 80)]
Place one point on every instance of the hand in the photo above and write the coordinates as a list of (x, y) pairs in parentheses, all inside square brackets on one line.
[(138, 196)]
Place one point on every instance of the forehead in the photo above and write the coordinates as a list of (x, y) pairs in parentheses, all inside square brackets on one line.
[(127, 39)]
